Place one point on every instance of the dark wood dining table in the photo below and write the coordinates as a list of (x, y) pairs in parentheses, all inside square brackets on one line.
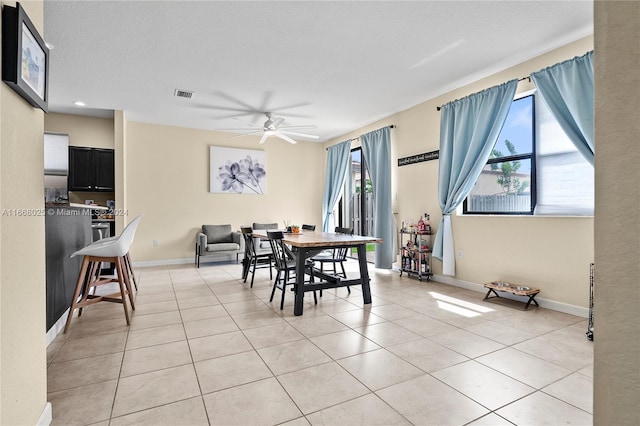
[(308, 244)]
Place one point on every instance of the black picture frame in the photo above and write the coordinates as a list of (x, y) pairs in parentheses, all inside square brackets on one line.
[(25, 57)]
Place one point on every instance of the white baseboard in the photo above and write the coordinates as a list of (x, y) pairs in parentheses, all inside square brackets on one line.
[(57, 327), (46, 417), (579, 311), (147, 263), (203, 260)]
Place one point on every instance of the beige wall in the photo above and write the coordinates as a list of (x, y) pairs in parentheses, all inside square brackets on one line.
[(617, 293), (167, 178), (552, 253), (23, 378), (84, 131)]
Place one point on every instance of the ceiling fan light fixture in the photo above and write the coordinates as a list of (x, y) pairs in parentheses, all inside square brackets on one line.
[(273, 127)]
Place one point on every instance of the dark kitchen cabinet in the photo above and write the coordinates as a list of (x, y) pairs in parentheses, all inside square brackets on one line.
[(102, 163), (91, 169)]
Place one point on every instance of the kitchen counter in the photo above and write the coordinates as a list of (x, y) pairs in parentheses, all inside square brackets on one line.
[(76, 205), (67, 229)]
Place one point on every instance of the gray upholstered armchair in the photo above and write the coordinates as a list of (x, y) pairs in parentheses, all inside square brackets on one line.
[(217, 240)]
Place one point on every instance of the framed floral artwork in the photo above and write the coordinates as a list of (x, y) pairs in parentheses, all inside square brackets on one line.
[(237, 171)]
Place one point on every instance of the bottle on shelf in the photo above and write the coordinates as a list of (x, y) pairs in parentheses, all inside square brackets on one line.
[(427, 224), (421, 226)]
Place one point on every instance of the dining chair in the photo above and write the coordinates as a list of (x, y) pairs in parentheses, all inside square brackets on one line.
[(257, 257), (308, 227), (335, 256), (285, 263)]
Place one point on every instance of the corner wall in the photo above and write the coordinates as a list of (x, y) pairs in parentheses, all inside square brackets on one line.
[(616, 382), (23, 376)]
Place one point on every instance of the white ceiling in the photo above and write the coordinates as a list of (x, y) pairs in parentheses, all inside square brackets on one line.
[(338, 65)]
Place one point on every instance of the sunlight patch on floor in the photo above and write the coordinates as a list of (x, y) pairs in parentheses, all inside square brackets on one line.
[(458, 306)]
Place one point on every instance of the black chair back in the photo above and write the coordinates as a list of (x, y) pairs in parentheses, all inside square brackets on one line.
[(340, 230), (308, 227), (278, 249), (247, 234), (341, 253)]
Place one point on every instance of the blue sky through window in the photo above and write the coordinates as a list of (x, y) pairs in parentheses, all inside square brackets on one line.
[(518, 129)]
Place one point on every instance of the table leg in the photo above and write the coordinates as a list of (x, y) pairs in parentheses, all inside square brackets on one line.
[(364, 273), (299, 285), (531, 299)]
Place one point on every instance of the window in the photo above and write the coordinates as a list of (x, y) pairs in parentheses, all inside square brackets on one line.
[(565, 178), (507, 184), (533, 169)]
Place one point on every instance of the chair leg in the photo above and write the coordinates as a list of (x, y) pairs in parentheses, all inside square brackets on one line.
[(93, 274), (130, 269), (321, 270), (253, 272), (123, 291), (275, 284), (76, 293), (312, 280), (127, 281), (250, 261)]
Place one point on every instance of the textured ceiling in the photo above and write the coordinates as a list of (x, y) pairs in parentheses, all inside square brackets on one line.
[(338, 65)]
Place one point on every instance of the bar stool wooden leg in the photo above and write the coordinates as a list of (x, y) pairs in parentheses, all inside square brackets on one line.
[(130, 268), (82, 277), (127, 280), (123, 291)]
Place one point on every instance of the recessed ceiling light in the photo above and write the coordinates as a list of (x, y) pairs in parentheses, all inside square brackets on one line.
[(79, 103)]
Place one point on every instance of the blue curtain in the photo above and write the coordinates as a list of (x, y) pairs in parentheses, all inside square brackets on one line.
[(337, 165), (469, 128), (567, 89), (376, 150)]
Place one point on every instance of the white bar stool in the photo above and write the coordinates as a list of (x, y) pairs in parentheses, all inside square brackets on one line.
[(114, 250)]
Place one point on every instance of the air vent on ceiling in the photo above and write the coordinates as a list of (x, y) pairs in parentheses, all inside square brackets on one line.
[(183, 93)]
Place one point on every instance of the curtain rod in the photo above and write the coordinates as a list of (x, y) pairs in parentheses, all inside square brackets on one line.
[(438, 108), (391, 126)]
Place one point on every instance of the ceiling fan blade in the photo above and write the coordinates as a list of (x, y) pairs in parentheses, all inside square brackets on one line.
[(264, 137), (285, 137), (245, 134), (304, 135), (304, 126)]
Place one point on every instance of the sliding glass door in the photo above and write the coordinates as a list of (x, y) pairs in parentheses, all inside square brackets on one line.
[(356, 204)]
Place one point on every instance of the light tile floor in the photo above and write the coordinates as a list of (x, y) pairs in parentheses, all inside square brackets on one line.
[(204, 348)]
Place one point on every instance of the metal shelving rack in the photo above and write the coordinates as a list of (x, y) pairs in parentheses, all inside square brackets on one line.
[(416, 254), (590, 325)]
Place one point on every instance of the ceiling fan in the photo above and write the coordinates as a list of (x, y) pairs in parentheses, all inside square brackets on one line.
[(273, 126)]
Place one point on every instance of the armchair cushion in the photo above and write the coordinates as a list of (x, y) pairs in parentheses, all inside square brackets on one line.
[(218, 247), (217, 233)]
